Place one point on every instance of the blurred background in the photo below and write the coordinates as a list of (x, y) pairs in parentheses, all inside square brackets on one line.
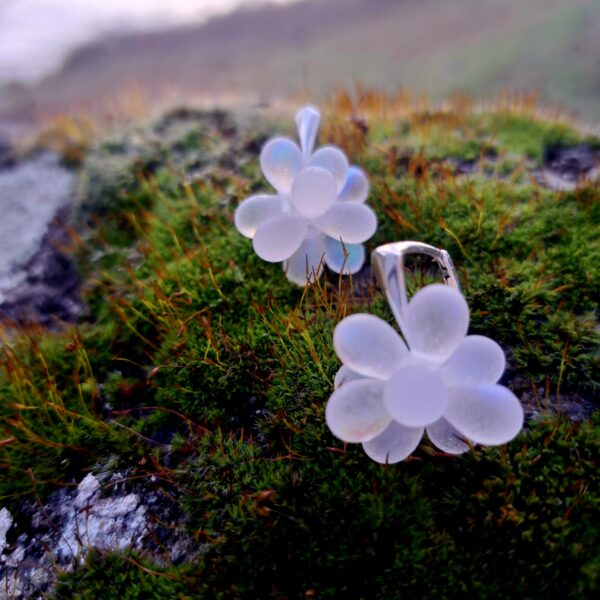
[(74, 55)]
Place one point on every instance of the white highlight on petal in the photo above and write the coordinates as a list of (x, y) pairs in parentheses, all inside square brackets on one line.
[(356, 186), (353, 223), (415, 396), (436, 320), (355, 412), (393, 444), (478, 359), (446, 438), (369, 346), (333, 160), (313, 192), (279, 237), (307, 261), (351, 260), (488, 414), (281, 161), (344, 375), (254, 211)]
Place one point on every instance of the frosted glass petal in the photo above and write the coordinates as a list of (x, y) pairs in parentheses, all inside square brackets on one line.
[(344, 375), (313, 192), (351, 261), (436, 319), (281, 161), (279, 237), (446, 438), (333, 160), (415, 396), (369, 346), (477, 359), (356, 186), (393, 444), (353, 223), (487, 414), (355, 412), (307, 261), (254, 211), (307, 124)]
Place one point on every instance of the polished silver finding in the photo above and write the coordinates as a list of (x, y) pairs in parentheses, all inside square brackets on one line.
[(388, 263)]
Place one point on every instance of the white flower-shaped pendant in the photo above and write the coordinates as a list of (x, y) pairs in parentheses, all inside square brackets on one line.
[(319, 213), (389, 391)]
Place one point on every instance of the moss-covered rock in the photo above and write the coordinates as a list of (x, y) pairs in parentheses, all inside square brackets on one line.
[(202, 367)]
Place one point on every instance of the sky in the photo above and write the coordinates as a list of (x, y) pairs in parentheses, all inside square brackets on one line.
[(37, 35)]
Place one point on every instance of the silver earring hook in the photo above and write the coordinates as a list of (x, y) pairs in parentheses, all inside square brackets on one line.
[(388, 263)]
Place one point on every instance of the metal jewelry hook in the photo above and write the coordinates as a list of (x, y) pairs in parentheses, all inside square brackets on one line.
[(388, 263)]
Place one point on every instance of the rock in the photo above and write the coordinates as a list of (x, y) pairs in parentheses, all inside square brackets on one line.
[(566, 166), (31, 194), (87, 489), (46, 290), (98, 515), (6, 522), (7, 158), (571, 162), (108, 524), (38, 280)]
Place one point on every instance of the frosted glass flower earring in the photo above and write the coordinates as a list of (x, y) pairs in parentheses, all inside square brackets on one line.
[(318, 214), (438, 380)]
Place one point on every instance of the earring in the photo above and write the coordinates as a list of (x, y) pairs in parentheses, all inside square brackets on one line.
[(438, 379), (318, 214)]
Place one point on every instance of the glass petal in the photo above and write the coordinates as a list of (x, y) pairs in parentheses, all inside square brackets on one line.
[(487, 413), (369, 346), (356, 186), (313, 192), (279, 237), (353, 223), (344, 375), (307, 124), (436, 320), (351, 260), (281, 161), (355, 413), (254, 211), (333, 160), (393, 444), (446, 438), (478, 359), (415, 396), (307, 261)]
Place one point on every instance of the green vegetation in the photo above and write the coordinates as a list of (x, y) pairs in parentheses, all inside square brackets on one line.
[(128, 578), (190, 333)]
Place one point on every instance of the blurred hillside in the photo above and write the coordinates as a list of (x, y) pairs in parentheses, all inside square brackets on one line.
[(435, 47)]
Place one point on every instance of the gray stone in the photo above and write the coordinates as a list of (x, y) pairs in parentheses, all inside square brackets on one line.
[(99, 514), (31, 194), (6, 522)]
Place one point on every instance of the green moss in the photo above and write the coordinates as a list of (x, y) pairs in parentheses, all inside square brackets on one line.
[(51, 425), (114, 578), (323, 522), (525, 135), (189, 331)]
